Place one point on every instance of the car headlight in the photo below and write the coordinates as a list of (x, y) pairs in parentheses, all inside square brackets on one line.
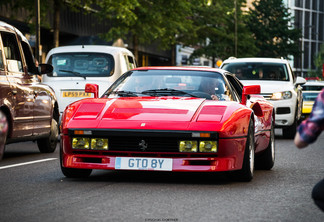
[(188, 146), (99, 144), (80, 143), (208, 146), (281, 95)]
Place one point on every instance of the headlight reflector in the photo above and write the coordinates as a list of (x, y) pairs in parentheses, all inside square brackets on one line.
[(99, 144), (188, 146), (80, 143), (208, 146), (281, 95)]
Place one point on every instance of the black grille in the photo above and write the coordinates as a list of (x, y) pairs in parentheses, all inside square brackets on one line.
[(283, 110), (144, 144)]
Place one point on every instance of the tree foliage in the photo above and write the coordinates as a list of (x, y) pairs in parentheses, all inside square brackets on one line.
[(145, 21), (270, 21), (318, 62), (214, 25)]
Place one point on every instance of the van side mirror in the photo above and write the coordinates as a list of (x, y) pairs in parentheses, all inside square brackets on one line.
[(45, 68)]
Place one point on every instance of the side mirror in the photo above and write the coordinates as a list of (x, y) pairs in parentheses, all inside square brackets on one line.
[(300, 81), (249, 90), (45, 68), (92, 88)]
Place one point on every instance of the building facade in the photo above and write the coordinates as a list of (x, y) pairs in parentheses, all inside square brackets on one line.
[(309, 17)]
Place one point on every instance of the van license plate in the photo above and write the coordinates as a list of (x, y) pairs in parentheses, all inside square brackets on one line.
[(76, 94)]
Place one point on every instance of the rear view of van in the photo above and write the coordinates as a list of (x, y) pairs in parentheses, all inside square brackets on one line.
[(75, 66)]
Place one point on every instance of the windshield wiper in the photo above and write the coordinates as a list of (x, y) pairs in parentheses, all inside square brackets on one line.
[(167, 91), (74, 73), (125, 93)]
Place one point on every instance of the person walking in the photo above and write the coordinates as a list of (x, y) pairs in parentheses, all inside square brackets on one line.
[(307, 133)]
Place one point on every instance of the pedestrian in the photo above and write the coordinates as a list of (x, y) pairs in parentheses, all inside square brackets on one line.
[(307, 133)]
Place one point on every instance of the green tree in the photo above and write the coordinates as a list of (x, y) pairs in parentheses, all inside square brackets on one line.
[(145, 21), (270, 22), (47, 8), (217, 26), (318, 62)]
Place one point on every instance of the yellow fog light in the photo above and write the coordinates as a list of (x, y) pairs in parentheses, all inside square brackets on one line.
[(80, 143), (188, 146), (208, 146), (99, 144)]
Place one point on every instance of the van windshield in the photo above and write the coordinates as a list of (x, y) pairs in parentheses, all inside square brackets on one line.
[(258, 71), (82, 64)]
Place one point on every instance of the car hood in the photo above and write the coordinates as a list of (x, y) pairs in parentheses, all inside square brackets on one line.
[(172, 113), (270, 86)]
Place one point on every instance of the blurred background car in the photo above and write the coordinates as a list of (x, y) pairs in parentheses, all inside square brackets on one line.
[(74, 66), (29, 110), (278, 84), (310, 92)]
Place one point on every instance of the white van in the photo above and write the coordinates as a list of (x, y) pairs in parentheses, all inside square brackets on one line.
[(75, 66)]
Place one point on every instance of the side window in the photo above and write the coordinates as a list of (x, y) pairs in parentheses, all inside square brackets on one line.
[(236, 86), (29, 57), (132, 62), (11, 51)]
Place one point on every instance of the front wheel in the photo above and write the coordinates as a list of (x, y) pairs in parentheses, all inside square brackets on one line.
[(266, 160), (48, 144), (289, 132), (246, 173), (3, 133)]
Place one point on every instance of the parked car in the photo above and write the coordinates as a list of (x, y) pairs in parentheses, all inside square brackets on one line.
[(30, 108), (75, 66), (278, 84), (168, 119), (310, 92)]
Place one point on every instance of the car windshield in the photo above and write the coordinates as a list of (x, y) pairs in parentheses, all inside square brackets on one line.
[(82, 64), (258, 71), (181, 83)]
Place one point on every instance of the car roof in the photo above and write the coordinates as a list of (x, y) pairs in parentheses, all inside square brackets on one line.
[(6, 27), (89, 48), (184, 68), (314, 83), (255, 59)]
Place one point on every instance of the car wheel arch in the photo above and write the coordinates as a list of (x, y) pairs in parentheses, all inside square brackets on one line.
[(7, 112)]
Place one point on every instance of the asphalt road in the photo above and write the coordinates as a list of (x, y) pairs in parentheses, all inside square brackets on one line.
[(38, 191)]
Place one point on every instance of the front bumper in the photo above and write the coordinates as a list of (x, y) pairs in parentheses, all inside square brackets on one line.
[(208, 164), (284, 112), (228, 158)]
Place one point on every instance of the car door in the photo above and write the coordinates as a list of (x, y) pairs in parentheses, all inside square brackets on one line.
[(20, 98), (42, 113)]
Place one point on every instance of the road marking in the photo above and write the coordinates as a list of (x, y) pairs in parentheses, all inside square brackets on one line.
[(26, 163)]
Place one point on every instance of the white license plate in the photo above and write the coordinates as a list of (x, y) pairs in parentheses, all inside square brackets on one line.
[(139, 163)]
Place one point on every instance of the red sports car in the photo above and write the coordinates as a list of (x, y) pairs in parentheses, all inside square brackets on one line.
[(170, 119)]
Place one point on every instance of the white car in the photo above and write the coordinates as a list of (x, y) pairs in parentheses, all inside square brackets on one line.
[(75, 66), (278, 84)]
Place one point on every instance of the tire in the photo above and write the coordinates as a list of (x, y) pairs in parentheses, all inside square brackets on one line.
[(48, 144), (266, 160), (71, 172), (3, 133), (289, 132), (246, 173)]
